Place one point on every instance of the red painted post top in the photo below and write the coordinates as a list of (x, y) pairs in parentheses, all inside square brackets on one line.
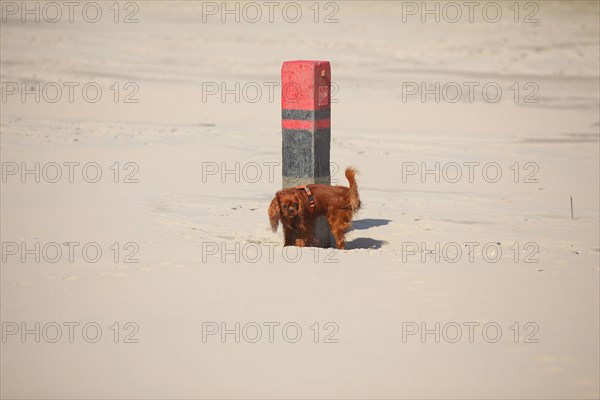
[(305, 85)]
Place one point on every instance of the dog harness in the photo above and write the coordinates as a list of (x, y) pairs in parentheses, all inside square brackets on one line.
[(311, 198)]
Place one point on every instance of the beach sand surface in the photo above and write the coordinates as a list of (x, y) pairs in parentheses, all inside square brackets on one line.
[(206, 254)]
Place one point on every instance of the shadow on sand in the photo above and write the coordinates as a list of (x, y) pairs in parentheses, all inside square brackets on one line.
[(364, 242), (367, 223)]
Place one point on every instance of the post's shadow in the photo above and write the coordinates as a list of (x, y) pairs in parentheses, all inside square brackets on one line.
[(368, 223), (364, 242)]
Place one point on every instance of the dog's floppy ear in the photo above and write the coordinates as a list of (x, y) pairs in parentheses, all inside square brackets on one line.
[(303, 209), (274, 215)]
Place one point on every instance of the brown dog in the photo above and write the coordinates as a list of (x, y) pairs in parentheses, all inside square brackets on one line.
[(298, 207)]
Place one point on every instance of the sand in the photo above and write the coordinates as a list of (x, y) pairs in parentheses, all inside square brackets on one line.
[(206, 258)]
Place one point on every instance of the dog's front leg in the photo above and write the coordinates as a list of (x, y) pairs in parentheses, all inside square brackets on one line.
[(288, 236), (305, 236)]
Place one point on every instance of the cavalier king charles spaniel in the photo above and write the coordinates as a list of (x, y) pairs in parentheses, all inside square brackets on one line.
[(297, 209)]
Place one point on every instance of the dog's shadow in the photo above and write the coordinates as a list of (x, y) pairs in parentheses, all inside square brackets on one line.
[(364, 242)]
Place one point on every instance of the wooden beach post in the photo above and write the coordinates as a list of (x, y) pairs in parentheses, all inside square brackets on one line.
[(306, 133)]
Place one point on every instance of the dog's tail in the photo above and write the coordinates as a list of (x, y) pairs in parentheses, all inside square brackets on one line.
[(355, 202)]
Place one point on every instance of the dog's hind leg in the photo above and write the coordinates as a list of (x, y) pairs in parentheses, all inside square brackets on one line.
[(339, 224)]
